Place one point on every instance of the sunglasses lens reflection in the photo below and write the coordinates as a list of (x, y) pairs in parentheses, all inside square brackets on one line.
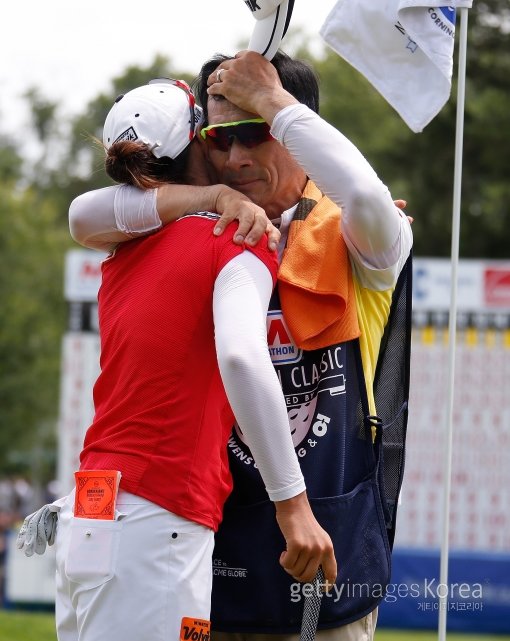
[(249, 134)]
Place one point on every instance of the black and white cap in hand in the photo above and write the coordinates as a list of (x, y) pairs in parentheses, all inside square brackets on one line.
[(272, 20)]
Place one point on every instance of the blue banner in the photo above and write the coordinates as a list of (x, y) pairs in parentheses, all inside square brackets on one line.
[(478, 591)]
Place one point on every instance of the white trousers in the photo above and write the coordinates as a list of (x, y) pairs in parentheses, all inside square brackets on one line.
[(143, 577)]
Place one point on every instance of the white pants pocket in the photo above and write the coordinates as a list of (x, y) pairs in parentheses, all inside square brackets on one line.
[(92, 552)]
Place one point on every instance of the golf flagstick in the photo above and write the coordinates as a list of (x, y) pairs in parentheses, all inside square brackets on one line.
[(312, 608)]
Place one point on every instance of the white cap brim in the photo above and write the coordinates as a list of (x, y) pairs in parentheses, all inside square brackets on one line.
[(268, 32)]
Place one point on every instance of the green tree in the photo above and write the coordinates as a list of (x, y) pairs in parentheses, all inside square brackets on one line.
[(34, 237), (11, 164), (32, 316), (419, 167)]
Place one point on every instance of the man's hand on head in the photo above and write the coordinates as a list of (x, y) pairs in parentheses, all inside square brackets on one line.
[(251, 83)]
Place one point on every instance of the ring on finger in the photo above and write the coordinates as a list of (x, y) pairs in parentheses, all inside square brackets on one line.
[(218, 74)]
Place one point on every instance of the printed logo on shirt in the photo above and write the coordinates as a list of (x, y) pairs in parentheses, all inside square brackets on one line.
[(220, 568), (302, 403), (282, 348), (303, 377), (195, 629), (313, 383), (310, 388), (200, 214)]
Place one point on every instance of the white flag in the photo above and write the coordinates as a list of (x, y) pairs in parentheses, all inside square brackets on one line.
[(403, 47)]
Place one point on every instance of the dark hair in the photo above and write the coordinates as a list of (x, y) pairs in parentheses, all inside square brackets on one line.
[(297, 77), (133, 163)]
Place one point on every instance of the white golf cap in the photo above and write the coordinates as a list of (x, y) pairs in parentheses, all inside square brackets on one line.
[(272, 19), (161, 114)]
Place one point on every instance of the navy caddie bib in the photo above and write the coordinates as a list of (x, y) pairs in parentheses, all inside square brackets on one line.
[(325, 394)]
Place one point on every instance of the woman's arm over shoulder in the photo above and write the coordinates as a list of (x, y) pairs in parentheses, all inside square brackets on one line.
[(102, 218), (241, 297)]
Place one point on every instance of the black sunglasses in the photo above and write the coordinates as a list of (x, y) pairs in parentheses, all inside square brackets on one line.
[(250, 133)]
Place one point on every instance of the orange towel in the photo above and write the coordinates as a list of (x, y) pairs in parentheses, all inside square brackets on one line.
[(315, 280)]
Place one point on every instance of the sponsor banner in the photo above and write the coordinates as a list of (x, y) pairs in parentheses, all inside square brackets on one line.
[(497, 286), (82, 275), (80, 368), (482, 285), (477, 593)]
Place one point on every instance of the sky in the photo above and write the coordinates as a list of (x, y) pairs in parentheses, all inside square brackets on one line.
[(70, 49)]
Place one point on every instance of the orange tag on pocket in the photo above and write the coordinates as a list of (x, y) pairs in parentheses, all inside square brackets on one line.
[(96, 494), (195, 629)]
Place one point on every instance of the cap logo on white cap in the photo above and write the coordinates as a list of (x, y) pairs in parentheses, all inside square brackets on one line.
[(199, 115), (252, 5), (264, 9), (129, 134), (272, 19)]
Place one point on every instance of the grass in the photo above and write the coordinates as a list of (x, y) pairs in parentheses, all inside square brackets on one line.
[(29, 626), (431, 635), (26, 626)]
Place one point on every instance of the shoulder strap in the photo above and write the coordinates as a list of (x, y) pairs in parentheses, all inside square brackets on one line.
[(391, 392)]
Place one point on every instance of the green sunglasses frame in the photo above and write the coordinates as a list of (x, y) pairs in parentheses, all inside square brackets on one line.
[(203, 132)]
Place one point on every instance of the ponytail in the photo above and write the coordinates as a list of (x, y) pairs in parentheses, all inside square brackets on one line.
[(132, 163)]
